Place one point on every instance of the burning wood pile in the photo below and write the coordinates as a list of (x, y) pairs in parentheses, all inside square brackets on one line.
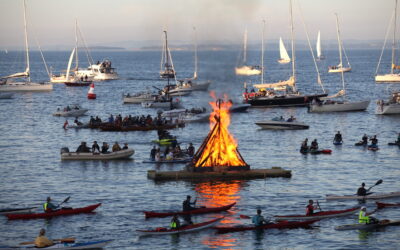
[(218, 151)]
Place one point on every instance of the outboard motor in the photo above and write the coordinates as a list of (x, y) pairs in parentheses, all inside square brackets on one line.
[(64, 150)]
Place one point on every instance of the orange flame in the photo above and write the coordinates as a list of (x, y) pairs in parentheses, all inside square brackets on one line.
[(220, 147)]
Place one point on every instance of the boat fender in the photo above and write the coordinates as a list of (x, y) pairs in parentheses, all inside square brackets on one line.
[(64, 150)]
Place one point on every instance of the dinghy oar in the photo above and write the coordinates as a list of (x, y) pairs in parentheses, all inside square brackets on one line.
[(64, 240)]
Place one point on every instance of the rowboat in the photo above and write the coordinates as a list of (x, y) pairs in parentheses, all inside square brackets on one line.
[(278, 225), (317, 216), (64, 246), (63, 211), (182, 229), (122, 154), (201, 210), (356, 197), (17, 210), (383, 205), (382, 223)]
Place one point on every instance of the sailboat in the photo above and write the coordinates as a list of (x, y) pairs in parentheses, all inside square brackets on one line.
[(338, 106), (167, 68), (318, 46), (6, 84), (245, 69), (339, 68), (390, 107), (282, 93), (285, 58), (392, 76)]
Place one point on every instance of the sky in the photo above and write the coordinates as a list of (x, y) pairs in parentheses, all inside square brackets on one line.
[(110, 22)]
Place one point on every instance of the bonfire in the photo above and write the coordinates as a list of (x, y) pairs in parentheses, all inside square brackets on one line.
[(218, 151)]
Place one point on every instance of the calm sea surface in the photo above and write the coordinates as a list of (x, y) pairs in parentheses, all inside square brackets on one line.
[(31, 169)]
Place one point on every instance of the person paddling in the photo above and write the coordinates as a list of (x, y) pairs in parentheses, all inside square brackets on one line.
[(48, 206), (310, 208), (364, 218), (42, 241), (175, 222), (187, 204), (338, 138), (258, 219)]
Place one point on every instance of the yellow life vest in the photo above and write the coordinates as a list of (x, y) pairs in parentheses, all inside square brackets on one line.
[(45, 206), (363, 219)]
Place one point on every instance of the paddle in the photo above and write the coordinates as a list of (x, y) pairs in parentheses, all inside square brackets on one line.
[(66, 200), (319, 206), (64, 240), (376, 184)]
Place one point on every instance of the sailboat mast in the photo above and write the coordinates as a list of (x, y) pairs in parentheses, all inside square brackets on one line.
[(245, 47), (262, 52), (27, 70), (76, 44), (394, 37), (195, 54), (166, 50), (293, 50), (340, 49)]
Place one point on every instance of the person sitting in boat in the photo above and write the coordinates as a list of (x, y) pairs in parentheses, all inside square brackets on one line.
[(187, 204), (258, 219), (338, 137), (310, 208), (153, 153), (362, 191), (83, 148), (364, 139), (125, 146), (86, 78), (104, 148), (77, 122), (48, 206), (314, 145), (116, 147), (291, 119), (157, 157), (364, 218), (111, 119), (95, 148), (169, 156), (190, 150), (175, 222), (374, 142), (42, 241), (304, 146)]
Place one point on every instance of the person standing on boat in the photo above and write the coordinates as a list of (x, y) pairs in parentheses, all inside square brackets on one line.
[(258, 219), (187, 204), (338, 137), (48, 206), (95, 148), (364, 218), (310, 208), (175, 222), (42, 241)]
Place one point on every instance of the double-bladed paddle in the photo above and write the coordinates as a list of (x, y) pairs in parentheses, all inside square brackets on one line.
[(376, 184), (66, 200)]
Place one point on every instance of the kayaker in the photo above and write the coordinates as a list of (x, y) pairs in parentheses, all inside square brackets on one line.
[(95, 148), (310, 208), (374, 141), (338, 137), (364, 218), (258, 219), (187, 204), (42, 241), (314, 145), (48, 206), (175, 222), (361, 190), (304, 146), (364, 139)]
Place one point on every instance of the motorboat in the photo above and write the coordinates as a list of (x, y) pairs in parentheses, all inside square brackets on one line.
[(245, 69), (140, 97), (117, 155), (100, 71), (282, 124), (73, 110), (391, 107)]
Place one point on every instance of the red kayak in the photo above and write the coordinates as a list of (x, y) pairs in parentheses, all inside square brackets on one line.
[(67, 211), (202, 210), (383, 205), (317, 215), (278, 225)]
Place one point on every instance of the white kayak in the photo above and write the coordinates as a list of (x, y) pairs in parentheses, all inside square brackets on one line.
[(356, 197), (17, 210), (122, 154), (382, 223), (65, 246)]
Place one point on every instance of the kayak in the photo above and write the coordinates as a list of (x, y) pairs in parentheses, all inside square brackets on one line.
[(277, 225), (337, 143), (383, 205), (182, 229), (67, 211), (394, 143), (361, 143), (382, 223), (201, 210), (317, 216), (323, 151), (17, 210), (356, 197), (62, 246)]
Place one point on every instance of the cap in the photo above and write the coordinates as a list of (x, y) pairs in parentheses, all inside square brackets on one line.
[(363, 208)]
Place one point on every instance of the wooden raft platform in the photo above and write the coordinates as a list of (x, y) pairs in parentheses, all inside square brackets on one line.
[(228, 175)]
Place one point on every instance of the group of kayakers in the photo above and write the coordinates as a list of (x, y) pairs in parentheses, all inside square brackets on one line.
[(309, 149), (95, 149)]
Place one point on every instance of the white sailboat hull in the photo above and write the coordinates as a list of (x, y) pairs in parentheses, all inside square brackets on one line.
[(201, 86), (247, 70), (284, 61), (388, 109), (339, 107), (339, 70), (387, 78), (26, 86)]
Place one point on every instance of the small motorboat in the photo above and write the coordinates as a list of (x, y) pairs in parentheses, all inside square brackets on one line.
[(235, 108), (140, 97), (122, 154), (356, 197), (273, 124), (73, 110), (183, 229), (382, 223), (78, 83)]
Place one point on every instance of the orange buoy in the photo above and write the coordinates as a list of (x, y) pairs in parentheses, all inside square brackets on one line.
[(91, 94)]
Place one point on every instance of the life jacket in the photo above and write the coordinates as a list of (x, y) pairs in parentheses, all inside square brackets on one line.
[(362, 218), (173, 225), (45, 206), (309, 209)]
